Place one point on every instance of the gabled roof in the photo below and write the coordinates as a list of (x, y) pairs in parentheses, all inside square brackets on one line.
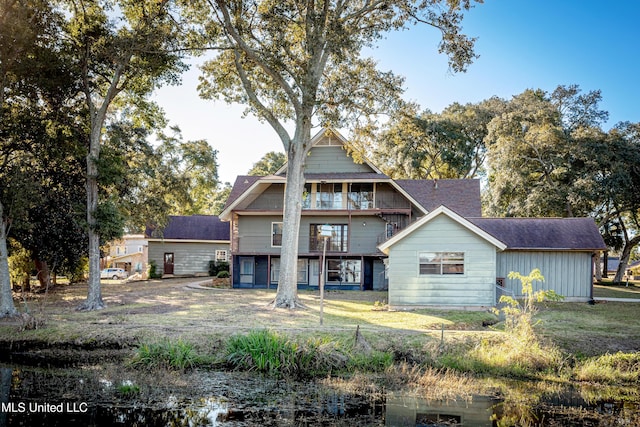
[(441, 210), (460, 195), (194, 227), (567, 234)]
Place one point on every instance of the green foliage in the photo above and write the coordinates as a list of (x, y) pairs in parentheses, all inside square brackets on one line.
[(263, 351), (20, 263), (610, 368), (165, 354), (223, 275), (216, 267), (128, 390), (269, 164), (153, 270)]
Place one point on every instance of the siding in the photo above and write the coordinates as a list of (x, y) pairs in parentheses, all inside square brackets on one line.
[(567, 273), (189, 258), (336, 156), (476, 287), (255, 233)]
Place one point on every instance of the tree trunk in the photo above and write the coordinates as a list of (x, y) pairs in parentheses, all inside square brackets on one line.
[(43, 274), (94, 295), (287, 294), (597, 266), (624, 257), (7, 307)]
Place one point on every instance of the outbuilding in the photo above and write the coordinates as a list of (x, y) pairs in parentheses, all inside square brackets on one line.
[(446, 260)]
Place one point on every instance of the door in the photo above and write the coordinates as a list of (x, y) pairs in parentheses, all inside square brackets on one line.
[(246, 270), (314, 272), (168, 263)]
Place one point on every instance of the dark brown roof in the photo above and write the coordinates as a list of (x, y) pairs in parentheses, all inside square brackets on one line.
[(460, 195), (574, 234), (194, 227), (242, 184)]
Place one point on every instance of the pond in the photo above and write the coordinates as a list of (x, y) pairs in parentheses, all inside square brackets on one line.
[(111, 395)]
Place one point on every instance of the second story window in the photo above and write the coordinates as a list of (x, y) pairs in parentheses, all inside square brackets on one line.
[(329, 196), (276, 234), (361, 196), (338, 242)]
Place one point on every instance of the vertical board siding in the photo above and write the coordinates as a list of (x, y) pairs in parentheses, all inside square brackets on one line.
[(566, 273), (474, 288), (336, 156), (189, 258)]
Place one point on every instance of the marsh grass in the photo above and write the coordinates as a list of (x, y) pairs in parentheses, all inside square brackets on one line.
[(610, 368), (165, 354)]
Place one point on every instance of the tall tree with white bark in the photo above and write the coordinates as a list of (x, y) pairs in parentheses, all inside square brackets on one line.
[(123, 50), (298, 64)]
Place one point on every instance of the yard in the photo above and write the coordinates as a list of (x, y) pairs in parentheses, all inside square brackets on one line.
[(181, 308)]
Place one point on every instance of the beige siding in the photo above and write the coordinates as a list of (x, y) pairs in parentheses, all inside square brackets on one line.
[(189, 258), (476, 287), (567, 273), (334, 157)]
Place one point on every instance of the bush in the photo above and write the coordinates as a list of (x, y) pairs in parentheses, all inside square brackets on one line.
[(153, 270), (216, 267), (223, 275)]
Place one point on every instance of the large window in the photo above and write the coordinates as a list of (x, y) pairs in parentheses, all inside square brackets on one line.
[(361, 196), (338, 242), (343, 270), (329, 196), (303, 270), (441, 263), (276, 234)]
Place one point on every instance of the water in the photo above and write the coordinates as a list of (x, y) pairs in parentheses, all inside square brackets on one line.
[(111, 395)]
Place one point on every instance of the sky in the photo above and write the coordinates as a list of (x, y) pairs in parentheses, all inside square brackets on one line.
[(523, 44)]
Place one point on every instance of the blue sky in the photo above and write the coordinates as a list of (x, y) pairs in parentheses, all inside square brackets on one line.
[(522, 44)]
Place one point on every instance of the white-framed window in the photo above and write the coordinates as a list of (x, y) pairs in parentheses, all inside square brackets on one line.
[(440, 263), (221, 255), (276, 234), (303, 270)]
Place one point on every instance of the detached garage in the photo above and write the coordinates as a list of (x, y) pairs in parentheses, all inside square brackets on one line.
[(445, 260)]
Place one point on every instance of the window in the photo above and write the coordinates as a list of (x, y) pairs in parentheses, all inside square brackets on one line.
[(343, 270), (276, 234), (441, 263), (329, 196), (361, 196), (303, 268), (221, 255), (306, 197), (338, 242)]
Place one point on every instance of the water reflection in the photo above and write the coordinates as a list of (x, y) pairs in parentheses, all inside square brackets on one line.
[(113, 396)]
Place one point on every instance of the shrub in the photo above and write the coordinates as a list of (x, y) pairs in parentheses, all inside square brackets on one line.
[(153, 270), (216, 267), (222, 275)]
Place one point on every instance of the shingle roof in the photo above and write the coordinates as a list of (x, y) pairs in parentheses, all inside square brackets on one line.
[(195, 227), (242, 184), (460, 195), (543, 233)]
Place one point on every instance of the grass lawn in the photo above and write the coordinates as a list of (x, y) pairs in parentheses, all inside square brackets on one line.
[(173, 308), (607, 290)]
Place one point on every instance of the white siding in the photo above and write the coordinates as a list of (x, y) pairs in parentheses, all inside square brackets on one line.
[(567, 273), (476, 287)]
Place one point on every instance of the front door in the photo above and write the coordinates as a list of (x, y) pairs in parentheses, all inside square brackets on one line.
[(314, 272), (246, 270), (168, 263)]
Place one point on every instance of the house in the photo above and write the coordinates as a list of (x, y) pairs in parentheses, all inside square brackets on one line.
[(445, 259), (129, 253), (362, 206), (187, 245)]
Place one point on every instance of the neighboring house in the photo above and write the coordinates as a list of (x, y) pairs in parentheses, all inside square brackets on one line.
[(363, 207), (447, 260), (129, 253), (187, 244)]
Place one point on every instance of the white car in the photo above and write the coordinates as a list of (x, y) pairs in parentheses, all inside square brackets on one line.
[(113, 273)]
